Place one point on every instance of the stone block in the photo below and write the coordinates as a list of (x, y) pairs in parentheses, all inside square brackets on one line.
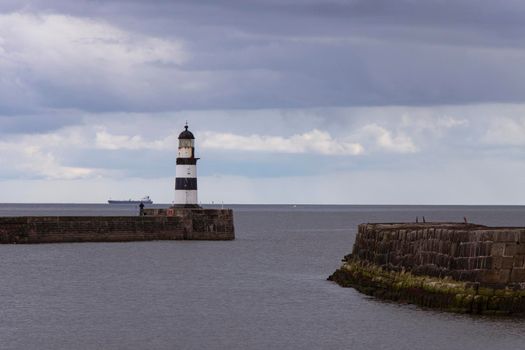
[(475, 263), (472, 263), (454, 249), (469, 275), (462, 251), (517, 276), (487, 248), (507, 262), (519, 261), (487, 262), (484, 235), (460, 263), (520, 248), (497, 262), (482, 262), (497, 249), (499, 277), (462, 236), (522, 236), (510, 249), (506, 236)]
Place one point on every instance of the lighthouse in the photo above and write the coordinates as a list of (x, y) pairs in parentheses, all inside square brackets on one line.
[(186, 172)]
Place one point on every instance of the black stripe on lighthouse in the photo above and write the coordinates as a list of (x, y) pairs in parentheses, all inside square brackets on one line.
[(187, 161), (186, 183)]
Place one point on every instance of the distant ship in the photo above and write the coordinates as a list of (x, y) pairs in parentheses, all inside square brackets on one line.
[(145, 200)]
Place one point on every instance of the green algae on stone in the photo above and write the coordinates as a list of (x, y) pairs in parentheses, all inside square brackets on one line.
[(434, 292)]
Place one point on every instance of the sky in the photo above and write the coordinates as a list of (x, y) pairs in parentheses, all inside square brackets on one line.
[(291, 101)]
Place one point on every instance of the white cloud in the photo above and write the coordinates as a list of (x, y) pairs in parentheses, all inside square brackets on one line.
[(386, 171), (451, 122), (31, 157), (506, 131), (434, 123), (45, 164), (315, 142), (385, 140), (106, 140), (39, 155)]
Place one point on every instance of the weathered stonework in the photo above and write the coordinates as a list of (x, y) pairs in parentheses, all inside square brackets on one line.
[(458, 261), (184, 224)]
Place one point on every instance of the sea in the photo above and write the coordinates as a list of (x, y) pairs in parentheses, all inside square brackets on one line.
[(265, 290)]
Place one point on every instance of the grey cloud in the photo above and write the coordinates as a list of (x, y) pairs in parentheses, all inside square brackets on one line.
[(286, 54), (43, 123), (296, 16)]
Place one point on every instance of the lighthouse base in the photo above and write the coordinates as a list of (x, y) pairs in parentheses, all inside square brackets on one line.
[(186, 206), (200, 223)]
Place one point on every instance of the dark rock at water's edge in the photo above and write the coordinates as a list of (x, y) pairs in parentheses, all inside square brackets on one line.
[(154, 224), (454, 267)]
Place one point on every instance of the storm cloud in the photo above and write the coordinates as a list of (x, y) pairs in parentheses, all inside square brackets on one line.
[(179, 55)]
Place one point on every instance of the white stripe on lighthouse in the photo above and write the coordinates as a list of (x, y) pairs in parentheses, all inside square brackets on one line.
[(186, 197), (186, 170)]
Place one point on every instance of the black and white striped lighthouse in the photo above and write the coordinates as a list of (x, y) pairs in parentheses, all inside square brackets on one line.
[(186, 181)]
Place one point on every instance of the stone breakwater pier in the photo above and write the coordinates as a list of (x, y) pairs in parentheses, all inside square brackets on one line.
[(463, 268), (154, 224)]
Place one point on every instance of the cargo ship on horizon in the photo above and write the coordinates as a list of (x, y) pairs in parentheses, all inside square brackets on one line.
[(145, 200)]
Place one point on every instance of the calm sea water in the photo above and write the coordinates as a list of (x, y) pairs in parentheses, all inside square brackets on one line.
[(265, 290)]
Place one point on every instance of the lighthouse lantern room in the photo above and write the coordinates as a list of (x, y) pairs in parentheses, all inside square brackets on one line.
[(186, 172)]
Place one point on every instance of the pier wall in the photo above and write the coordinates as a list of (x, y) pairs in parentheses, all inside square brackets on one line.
[(185, 224), (465, 252), (453, 267)]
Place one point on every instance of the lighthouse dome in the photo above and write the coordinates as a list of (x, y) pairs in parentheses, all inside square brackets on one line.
[(186, 134)]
